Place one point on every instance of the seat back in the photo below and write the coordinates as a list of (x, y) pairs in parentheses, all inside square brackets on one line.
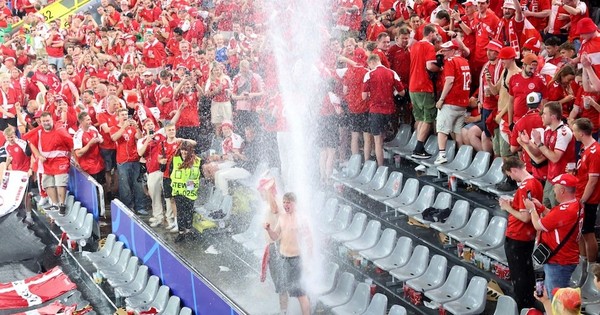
[(480, 164), (425, 198), (353, 167), (506, 306), (111, 239), (495, 173), (86, 228), (343, 216), (402, 136), (456, 282), (410, 191), (115, 254), (431, 145), (344, 287), (379, 178), (475, 294), (80, 220), (372, 233), (436, 272), (450, 150), (329, 210), (150, 289), (419, 257), (459, 215), (123, 261), (185, 311), (215, 199), (385, 245), (462, 159), (360, 299), (161, 299), (397, 310), (412, 142), (173, 306), (132, 268), (443, 201), (378, 305), (357, 226), (70, 201), (367, 172), (477, 222), (73, 212), (494, 233), (329, 275), (403, 250), (393, 185), (589, 291)]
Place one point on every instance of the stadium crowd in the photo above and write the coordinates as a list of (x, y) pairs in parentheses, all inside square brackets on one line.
[(136, 95)]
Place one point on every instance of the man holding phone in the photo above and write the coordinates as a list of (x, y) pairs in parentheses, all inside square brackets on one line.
[(520, 233)]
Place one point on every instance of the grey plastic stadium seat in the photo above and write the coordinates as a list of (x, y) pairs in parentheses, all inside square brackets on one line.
[(185, 311), (354, 230), (329, 211), (85, 231), (492, 177), (342, 292), (145, 296), (497, 254), (457, 219), (492, 237), (111, 259), (401, 139), (366, 174), (399, 257), (433, 277), (589, 293), (376, 182), (368, 239), (339, 222), (431, 147), (383, 248), (327, 282), (460, 162), (506, 306), (69, 201), (253, 231), (423, 201), (105, 250), (213, 203), (120, 266), (592, 309), (74, 224), (450, 152), (160, 300), (358, 302), (377, 306), (453, 287), (409, 194), (136, 286), (474, 228), (443, 200), (408, 148), (173, 306), (115, 279), (472, 301), (397, 310), (69, 217), (391, 189), (418, 262), (351, 170), (478, 167)]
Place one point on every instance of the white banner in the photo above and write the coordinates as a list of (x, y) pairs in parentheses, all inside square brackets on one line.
[(12, 189)]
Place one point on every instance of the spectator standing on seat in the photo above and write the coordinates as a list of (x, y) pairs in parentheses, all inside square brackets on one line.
[(520, 233), (554, 227), (588, 189), (86, 146), (422, 62), (379, 86), (247, 161), (53, 146), (294, 238), (185, 181), (454, 99), (507, 57)]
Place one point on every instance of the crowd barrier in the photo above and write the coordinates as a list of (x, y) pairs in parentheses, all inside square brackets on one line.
[(195, 291), (87, 191)]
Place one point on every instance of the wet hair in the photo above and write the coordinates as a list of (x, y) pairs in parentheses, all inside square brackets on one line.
[(374, 58), (512, 162), (585, 126), (289, 196)]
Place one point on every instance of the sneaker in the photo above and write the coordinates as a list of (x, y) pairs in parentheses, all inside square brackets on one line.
[(174, 229), (52, 208), (155, 223), (62, 209), (153, 219), (421, 155), (43, 202), (142, 212), (171, 225), (441, 159)]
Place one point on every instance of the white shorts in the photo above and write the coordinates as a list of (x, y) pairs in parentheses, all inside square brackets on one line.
[(60, 180), (220, 111), (450, 118)]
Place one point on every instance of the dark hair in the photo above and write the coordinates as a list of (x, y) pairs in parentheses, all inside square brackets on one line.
[(442, 14), (403, 31), (188, 162), (374, 58), (382, 35), (567, 46), (555, 109), (428, 29), (82, 116), (584, 125), (552, 41), (512, 162), (370, 46), (563, 72)]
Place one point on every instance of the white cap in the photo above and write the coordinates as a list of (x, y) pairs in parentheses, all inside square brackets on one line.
[(534, 98), (508, 4)]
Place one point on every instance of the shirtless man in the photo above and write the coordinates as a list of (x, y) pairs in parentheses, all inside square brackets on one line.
[(290, 231)]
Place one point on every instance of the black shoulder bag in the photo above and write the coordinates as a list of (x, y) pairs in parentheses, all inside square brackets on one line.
[(542, 253)]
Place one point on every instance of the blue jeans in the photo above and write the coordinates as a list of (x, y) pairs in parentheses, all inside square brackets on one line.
[(557, 276), (131, 192)]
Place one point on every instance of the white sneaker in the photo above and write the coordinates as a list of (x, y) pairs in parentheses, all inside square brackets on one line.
[(175, 229), (153, 219), (155, 223), (170, 225), (441, 159)]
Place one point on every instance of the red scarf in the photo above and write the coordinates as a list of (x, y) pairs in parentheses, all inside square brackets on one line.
[(513, 37)]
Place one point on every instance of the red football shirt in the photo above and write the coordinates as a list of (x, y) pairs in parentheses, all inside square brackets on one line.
[(56, 145), (126, 145), (91, 162), (164, 91), (560, 139), (555, 227), (380, 84), (485, 28), (528, 122), (20, 160), (519, 87), (110, 120), (592, 49), (589, 165), (517, 229), (353, 81), (153, 150), (458, 68), (399, 58), (420, 53), (189, 112)]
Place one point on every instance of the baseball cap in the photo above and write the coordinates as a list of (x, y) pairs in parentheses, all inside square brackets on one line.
[(507, 53), (586, 25), (570, 298), (227, 123), (10, 59), (494, 45), (530, 58), (481, 1), (449, 45), (469, 3), (38, 114), (534, 98), (146, 73), (566, 180), (533, 44), (508, 4)]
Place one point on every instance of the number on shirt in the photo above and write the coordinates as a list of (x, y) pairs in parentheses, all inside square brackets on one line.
[(466, 80)]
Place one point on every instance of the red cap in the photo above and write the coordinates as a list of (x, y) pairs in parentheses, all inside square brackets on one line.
[(570, 298), (533, 44), (10, 58), (452, 44), (507, 53), (566, 180), (586, 26), (37, 114), (494, 45), (468, 3), (227, 123), (132, 98)]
